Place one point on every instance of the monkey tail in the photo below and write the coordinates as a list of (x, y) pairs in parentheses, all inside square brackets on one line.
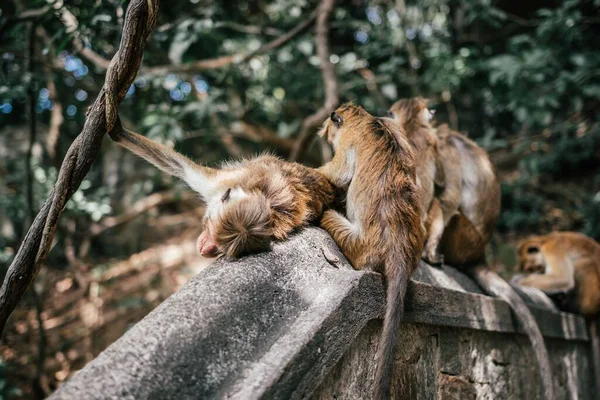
[(492, 283), (397, 273)]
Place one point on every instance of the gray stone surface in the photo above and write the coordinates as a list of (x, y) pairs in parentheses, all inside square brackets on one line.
[(439, 362), (294, 322)]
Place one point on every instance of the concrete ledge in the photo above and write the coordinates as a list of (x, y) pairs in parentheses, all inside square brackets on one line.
[(274, 325)]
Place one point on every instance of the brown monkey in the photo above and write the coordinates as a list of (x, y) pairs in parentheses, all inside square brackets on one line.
[(382, 229), (566, 262), (560, 262), (249, 203), (414, 116), (470, 206)]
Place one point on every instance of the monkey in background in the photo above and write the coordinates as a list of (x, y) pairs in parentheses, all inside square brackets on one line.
[(415, 118), (382, 229), (566, 263), (249, 203), (470, 207)]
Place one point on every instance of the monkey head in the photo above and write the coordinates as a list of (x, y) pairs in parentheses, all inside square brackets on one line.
[(531, 258), (344, 117), (414, 110), (238, 223)]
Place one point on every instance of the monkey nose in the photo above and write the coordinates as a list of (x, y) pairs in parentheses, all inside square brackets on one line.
[(205, 246)]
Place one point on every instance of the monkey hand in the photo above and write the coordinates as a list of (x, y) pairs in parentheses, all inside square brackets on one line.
[(206, 246), (433, 258)]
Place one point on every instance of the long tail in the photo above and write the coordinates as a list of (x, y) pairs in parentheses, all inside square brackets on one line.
[(595, 339), (492, 283), (198, 177), (397, 273)]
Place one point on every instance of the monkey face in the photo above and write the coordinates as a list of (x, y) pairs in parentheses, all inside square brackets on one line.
[(531, 258)]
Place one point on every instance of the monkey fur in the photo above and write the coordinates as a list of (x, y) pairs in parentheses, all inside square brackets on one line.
[(467, 210), (382, 229), (414, 117), (562, 262), (566, 264), (249, 203)]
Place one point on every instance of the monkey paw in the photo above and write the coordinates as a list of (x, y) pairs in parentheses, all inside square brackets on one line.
[(435, 259)]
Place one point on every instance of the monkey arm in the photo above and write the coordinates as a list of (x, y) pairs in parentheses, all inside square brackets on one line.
[(559, 274), (168, 160), (435, 230), (440, 175), (547, 283), (343, 232), (340, 169)]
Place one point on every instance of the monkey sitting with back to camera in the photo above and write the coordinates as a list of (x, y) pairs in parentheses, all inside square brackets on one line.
[(462, 215), (249, 203), (415, 117), (382, 228)]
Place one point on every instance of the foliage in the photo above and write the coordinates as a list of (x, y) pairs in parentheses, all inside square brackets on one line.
[(521, 78)]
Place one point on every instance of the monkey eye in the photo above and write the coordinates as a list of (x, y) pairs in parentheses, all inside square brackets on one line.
[(226, 195), (336, 118), (390, 114), (532, 250)]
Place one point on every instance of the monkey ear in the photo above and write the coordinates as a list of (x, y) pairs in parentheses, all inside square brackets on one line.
[(337, 119), (226, 195)]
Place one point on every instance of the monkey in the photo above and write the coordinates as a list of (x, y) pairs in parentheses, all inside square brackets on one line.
[(566, 263), (560, 262), (382, 229), (470, 207), (249, 203), (415, 118)]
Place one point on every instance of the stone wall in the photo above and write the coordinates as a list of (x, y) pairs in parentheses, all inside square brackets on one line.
[(299, 322), (435, 362)]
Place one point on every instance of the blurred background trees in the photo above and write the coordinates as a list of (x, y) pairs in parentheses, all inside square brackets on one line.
[(226, 79)]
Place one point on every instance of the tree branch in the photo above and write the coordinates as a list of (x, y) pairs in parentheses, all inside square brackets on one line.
[(24, 16), (223, 61), (413, 59), (101, 117), (71, 24), (262, 134), (139, 207), (32, 97), (332, 97)]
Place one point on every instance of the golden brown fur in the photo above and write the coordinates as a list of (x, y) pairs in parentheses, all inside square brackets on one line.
[(563, 261), (250, 203), (567, 263), (414, 116), (382, 229), (470, 201), (469, 207)]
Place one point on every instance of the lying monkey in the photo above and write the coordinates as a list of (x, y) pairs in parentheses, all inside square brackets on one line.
[(467, 210), (566, 262), (249, 203), (382, 229)]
